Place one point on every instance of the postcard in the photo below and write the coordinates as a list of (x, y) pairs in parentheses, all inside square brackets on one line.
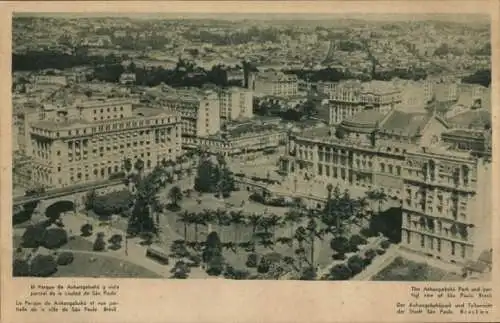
[(246, 161)]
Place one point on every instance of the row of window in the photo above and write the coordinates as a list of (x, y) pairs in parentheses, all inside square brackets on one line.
[(107, 109), (436, 244), (120, 125)]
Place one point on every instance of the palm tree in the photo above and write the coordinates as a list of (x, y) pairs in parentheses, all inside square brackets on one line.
[(300, 236), (208, 218), (377, 195), (127, 165), (139, 166), (223, 220), (293, 217), (237, 219), (266, 242), (146, 202), (156, 209), (313, 232), (265, 224), (196, 219), (254, 220), (185, 218), (230, 246), (175, 196), (273, 221), (361, 212)]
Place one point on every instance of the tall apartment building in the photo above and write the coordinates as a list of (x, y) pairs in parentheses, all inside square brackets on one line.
[(199, 111), (90, 140), (273, 83), (350, 97), (235, 103)]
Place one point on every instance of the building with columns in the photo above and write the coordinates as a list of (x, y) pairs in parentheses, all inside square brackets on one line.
[(89, 141), (439, 173), (446, 204), (246, 139), (365, 152)]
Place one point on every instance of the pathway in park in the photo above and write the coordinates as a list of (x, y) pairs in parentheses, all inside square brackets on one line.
[(379, 263), (136, 253)]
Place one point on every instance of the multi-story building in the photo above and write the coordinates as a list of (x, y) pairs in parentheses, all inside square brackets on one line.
[(246, 139), (50, 80), (199, 111), (445, 92), (127, 78), (89, 141), (235, 103), (350, 97), (273, 83), (364, 152), (440, 173), (447, 204)]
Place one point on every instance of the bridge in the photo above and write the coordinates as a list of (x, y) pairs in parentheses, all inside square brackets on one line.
[(65, 191)]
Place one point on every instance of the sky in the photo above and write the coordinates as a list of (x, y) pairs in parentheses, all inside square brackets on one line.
[(473, 18)]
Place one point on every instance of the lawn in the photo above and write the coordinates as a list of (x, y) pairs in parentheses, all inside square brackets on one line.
[(405, 270), (234, 202), (78, 243), (103, 266)]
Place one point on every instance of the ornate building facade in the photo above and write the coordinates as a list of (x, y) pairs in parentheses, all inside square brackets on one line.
[(446, 204), (89, 141), (441, 179)]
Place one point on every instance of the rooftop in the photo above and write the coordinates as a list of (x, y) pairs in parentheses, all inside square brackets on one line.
[(379, 87), (317, 133), (76, 123), (406, 124), (363, 121), (472, 119), (147, 112), (251, 128), (465, 133)]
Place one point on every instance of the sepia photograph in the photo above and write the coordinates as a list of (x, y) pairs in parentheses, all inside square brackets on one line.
[(303, 147)]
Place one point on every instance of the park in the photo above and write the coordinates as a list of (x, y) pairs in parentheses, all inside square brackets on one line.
[(202, 223)]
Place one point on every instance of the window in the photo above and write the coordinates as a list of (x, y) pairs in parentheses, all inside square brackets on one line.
[(422, 241), (452, 248), (439, 245)]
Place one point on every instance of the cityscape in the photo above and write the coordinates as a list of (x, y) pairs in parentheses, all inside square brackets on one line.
[(319, 148)]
